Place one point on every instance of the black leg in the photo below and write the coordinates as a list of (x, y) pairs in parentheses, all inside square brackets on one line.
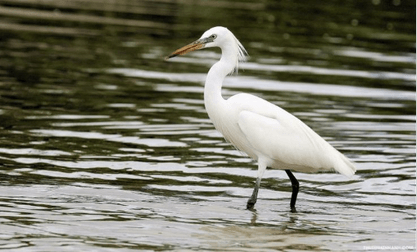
[(252, 200), (295, 186)]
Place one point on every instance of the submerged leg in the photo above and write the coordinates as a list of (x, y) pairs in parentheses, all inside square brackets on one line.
[(295, 186), (252, 199)]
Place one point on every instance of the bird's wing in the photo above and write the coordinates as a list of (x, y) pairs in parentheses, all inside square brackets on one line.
[(287, 141)]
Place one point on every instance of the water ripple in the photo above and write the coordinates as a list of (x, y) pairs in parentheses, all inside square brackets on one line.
[(105, 146)]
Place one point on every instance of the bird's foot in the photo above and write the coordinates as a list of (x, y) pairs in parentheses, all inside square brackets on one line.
[(250, 204), (293, 210)]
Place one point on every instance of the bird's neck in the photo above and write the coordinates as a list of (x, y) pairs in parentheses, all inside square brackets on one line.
[(213, 99)]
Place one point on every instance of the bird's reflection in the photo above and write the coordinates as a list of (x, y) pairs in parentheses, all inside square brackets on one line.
[(293, 217), (288, 231)]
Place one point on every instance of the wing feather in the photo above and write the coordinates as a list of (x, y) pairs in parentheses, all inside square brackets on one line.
[(289, 143)]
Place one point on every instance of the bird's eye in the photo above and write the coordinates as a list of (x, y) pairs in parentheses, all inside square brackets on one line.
[(213, 37)]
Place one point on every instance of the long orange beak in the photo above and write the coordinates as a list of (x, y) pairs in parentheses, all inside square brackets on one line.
[(188, 48)]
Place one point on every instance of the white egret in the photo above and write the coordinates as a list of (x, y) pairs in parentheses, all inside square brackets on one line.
[(264, 131)]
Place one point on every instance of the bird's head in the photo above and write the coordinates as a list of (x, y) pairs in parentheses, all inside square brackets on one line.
[(215, 37)]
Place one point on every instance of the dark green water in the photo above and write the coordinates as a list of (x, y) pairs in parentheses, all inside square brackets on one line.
[(106, 147)]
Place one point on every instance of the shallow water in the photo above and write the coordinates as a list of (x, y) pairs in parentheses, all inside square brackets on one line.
[(106, 147)]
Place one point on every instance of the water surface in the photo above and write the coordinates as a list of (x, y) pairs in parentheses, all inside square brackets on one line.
[(106, 147)]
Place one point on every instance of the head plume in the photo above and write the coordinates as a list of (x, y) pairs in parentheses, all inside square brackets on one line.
[(241, 55)]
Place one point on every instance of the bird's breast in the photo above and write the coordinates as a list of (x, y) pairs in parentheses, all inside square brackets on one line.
[(225, 121)]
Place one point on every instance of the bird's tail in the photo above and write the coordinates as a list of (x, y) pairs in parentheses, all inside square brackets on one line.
[(345, 166)]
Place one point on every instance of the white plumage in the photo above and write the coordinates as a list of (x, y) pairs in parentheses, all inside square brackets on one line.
[(264, 131)]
